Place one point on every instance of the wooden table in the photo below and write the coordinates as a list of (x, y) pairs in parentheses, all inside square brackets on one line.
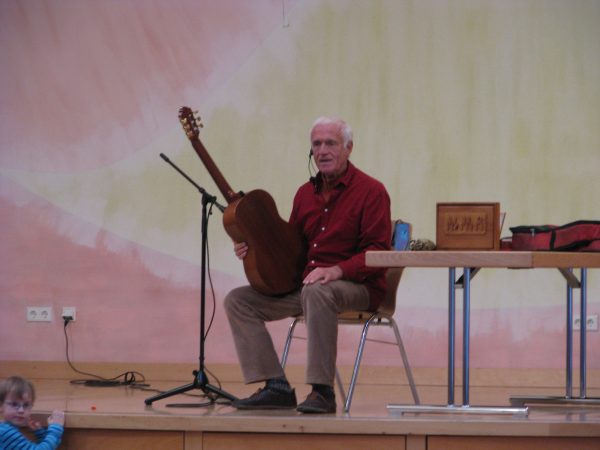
[(472, 262)]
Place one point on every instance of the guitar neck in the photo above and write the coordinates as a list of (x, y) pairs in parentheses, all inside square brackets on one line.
[(215, 173)]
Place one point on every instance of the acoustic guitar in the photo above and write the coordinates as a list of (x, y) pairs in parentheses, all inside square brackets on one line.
[(276, 250)]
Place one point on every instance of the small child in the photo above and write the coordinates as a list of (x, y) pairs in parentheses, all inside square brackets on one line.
[(16, 400)]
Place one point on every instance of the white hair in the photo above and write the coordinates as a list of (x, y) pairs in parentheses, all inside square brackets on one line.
[(345, 129)]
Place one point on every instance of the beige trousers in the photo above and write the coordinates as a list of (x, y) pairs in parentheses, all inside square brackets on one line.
[(248, 310)]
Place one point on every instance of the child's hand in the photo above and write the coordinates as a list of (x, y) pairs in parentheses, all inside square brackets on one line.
[(57, 417), (34, 425)]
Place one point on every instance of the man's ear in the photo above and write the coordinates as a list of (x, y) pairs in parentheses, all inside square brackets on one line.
[(349, 147)]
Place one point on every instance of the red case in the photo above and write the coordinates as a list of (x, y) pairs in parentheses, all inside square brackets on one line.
[(581, 235)]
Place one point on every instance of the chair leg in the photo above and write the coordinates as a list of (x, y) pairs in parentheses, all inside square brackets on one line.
[(359, 353), (409, 375), (288, 342)]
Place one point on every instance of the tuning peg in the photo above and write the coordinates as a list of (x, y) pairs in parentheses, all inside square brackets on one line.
[(198, 119)]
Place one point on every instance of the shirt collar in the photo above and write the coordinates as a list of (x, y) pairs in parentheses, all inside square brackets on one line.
[(343, 181)]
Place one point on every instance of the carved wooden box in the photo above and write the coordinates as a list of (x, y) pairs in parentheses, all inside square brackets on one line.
[(468, 226)]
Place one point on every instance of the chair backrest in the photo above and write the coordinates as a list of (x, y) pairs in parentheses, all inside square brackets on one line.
[(388, 304), (393, 275)]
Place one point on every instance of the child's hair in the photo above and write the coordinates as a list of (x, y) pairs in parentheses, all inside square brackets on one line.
[(16, 387)]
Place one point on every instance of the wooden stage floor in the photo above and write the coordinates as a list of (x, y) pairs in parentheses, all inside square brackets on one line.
[(117, 417)]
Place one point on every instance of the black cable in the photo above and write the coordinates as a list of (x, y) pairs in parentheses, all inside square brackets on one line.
[(212, 288), (214, 302), (129, 377)]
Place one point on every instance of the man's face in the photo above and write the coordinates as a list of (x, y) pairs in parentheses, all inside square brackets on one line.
[(328, 149)]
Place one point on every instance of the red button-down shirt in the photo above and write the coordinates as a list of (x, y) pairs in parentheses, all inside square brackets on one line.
[(356, 218)]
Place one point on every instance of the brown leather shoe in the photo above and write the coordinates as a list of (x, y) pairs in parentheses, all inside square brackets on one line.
[(267, 398), (315, 403)]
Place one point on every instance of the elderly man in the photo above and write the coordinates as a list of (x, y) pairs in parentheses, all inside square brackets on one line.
[(342, 213)]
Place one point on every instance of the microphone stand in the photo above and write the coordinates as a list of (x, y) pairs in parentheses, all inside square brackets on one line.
[(200, 379)]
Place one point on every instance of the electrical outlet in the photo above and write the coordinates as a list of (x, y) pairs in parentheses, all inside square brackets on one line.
[(39, 314), (591, 325), (69, 311)]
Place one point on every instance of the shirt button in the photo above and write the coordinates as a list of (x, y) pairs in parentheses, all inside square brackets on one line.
[(326, 209), (322, 228), (314, 245), (313, 261)]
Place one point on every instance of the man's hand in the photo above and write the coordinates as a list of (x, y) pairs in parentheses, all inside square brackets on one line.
[(240, 249), (324, 275)]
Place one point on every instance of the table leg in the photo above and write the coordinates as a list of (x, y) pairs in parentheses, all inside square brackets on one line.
[(569, 348), (451, 332), (568, 399), (466, 332), (453, 284), (583, 334)]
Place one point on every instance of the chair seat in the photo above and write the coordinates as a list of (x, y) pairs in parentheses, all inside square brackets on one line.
[(362, 316)]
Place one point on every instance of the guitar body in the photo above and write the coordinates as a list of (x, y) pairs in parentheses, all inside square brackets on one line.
[(276, 251)]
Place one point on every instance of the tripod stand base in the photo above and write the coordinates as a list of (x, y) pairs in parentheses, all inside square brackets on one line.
[(200, 382)]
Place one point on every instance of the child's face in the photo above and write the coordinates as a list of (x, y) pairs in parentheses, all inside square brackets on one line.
[(17, 410)]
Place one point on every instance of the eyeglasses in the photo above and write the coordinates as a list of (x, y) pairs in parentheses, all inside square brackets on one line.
[(17, 406)]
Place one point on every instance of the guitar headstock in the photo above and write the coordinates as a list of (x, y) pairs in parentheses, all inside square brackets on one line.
[(190, 120)]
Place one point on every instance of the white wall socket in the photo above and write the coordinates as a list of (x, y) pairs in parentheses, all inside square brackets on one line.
[(591, 325), (39, 314), (69, 311)]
